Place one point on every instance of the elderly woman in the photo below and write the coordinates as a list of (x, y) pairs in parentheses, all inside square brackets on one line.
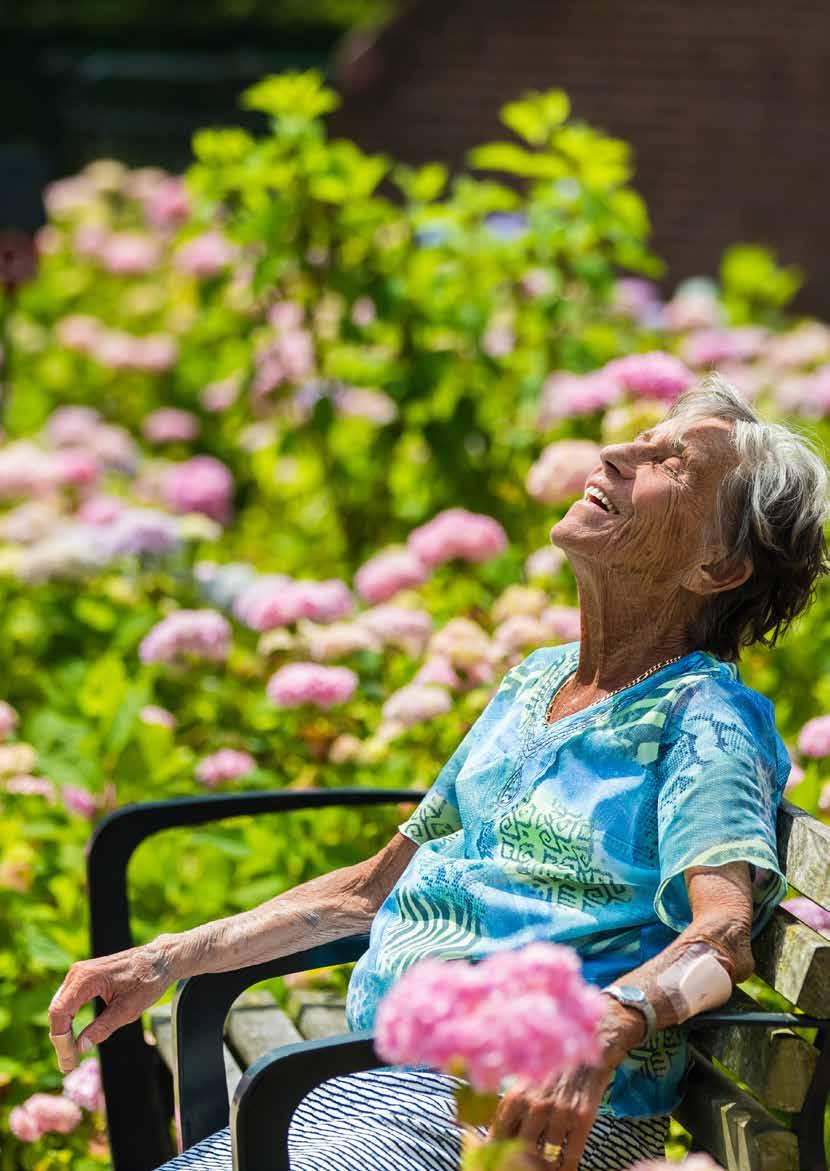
[(618, 794)]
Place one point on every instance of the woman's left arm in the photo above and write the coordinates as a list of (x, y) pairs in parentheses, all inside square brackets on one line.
[(563, 1110)]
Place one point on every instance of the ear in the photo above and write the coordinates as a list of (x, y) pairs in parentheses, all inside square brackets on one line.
[(721, 573)]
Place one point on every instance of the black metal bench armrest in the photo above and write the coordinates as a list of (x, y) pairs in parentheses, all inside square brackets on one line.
[(273, 1087), (200, 1006), (128, 1064)]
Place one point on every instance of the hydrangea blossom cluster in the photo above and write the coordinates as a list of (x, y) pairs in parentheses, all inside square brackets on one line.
[(455, 532), (201, 484), (561, 470), (152, 714), (653, 375), (415, 704), (9, 719), (277, 600), (200, 634), (205, 255), (79, 800), (153, 353), (227, 764), (170, 425), (309, 683), (814, 737), (82, 1085), (385, 575), (448, 1014), (401, 626), (44, 1114)]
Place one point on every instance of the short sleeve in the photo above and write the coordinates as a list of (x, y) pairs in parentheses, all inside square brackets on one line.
[(721, 771), (438, 814)]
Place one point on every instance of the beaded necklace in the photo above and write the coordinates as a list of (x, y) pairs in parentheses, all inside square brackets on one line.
[(639, 679)]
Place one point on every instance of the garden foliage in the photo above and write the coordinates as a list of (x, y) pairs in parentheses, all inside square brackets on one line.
[(284, 441)]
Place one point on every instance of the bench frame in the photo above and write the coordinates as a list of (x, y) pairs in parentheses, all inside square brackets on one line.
[(272, 1087)]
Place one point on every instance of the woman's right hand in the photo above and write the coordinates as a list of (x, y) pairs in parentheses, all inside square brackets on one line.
[(127, 981)]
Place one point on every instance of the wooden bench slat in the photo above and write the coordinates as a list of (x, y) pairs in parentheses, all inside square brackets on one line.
[(256, 1024), (795, 961), (318, 1014), (162, 1029), (804, 852), (736, 1131), (776, 1064)]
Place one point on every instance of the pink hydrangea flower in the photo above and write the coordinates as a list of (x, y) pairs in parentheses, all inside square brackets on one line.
[(824, 799), (74, 466), (806, 345), (170, 425), (653, 375), (455, 532), (300, 683), (100, 509), (225, 765), (82, 1085), (44, 1113), (544, 562), (74, 424), (437, 669), (499, 341), (416, 703), (564, 395), (325, 643), (218, 396), (79, 332), (28, 786), (398, 626), (9, 719), (362, 402), (562, 622), (205, 255), (364, 311), (79, 800), (388, 572), (713, 347), (814, 737), (166, 205), (637, 298), (203, 634), (442, 1012), (809, 912), (280, 601), (694, 305), (561, 470), (129, 253), (151, 714), (201, 484), (462, 641)]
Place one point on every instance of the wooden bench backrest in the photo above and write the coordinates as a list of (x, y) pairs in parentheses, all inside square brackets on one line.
[(777, 1065)]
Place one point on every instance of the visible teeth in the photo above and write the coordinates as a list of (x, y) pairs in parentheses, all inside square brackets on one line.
[(596, 492)]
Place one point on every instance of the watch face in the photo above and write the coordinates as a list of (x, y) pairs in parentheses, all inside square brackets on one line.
[(632, 992)]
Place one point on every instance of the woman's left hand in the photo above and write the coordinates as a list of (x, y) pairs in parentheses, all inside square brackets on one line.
[(560, 1111)]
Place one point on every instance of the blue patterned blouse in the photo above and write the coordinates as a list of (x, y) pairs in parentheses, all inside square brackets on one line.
[(579, 831)]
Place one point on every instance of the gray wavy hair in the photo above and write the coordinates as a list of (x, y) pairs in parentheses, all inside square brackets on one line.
[(771, 507)]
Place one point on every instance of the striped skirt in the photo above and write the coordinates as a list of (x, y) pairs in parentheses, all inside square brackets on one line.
[(395, 1119)]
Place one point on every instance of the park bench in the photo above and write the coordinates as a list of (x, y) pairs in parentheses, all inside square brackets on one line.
[(237, 1061)]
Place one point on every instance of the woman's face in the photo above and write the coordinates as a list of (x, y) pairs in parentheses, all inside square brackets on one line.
[(663, 485)]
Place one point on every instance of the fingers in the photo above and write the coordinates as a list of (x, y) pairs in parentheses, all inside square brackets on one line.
[(67, 1054), (120, 1012), (79, 987), (574, 1135), (507, 1117)]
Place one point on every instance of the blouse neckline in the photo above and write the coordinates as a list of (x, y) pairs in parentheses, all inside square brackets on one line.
[(556, 676)]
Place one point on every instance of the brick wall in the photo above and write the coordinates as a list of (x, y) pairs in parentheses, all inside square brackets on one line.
[(726, 103)]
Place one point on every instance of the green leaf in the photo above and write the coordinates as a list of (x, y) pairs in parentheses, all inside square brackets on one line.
[(514, 160), (537, 115), (104, 688), (222, 146), (294, 95), (43, 950), (474, 1107)]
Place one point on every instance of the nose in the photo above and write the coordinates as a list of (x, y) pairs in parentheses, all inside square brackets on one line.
[(617, 458)]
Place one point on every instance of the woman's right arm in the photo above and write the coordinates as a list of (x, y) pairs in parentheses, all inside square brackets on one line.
[(329, 907)]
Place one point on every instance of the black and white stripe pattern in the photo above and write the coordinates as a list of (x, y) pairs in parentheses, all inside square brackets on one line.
[(395, 1119)]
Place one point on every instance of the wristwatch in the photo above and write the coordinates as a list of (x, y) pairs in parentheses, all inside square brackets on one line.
[(633, 997)]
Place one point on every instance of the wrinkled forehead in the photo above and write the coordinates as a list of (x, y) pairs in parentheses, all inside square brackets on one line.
[(704, 438)]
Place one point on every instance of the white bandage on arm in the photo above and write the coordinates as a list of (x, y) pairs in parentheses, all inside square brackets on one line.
[(696, 981)]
